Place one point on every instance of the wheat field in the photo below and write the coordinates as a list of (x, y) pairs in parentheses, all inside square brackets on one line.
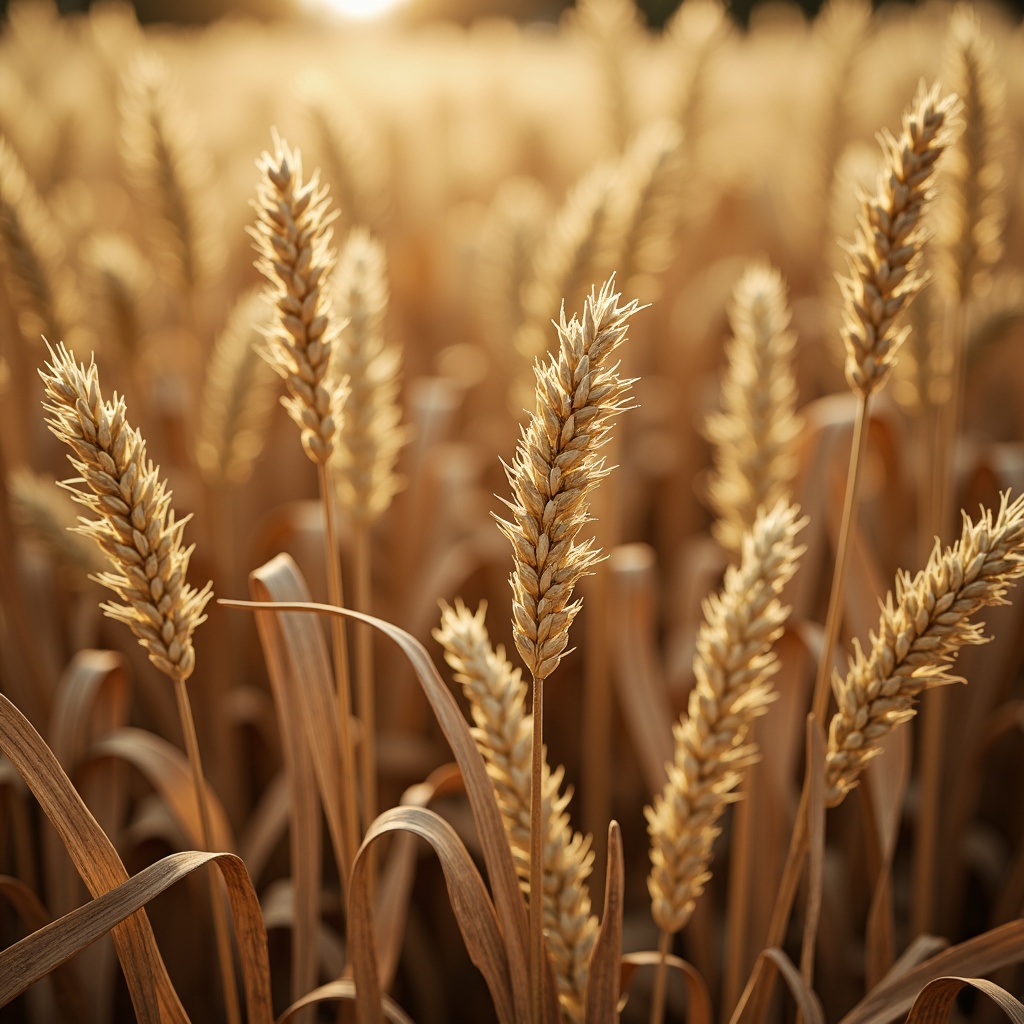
[(570, 459)]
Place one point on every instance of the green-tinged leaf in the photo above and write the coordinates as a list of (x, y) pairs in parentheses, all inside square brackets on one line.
[(152, 993), (698, 999), (470, 903), (937, 1000), (24, 963), (984, 954)]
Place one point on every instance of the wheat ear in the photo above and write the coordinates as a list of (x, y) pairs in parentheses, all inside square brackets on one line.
[(732, 667), (883, 260), (367, 449), (169, 173), (238, 395), (136, 527), (503, 727), (754, 436), (557, 463), (972, 207), (293, 237), (919, 636), (32, 254)]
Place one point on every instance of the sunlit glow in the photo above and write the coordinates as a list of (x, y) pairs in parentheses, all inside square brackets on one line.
[(357, 10)]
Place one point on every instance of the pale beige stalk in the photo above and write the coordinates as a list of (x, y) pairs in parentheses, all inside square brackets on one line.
[(136, 527), (919, 636), (733, 666), (503, 727), (557, 463), (238, 395), (293, 237), (883, 260), (755, 434)]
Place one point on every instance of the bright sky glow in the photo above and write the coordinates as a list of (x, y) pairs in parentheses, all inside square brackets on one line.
[(357, 10)]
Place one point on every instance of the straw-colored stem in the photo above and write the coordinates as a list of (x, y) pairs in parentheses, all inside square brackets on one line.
[(834, 616), (661, 978), (936, 705), (220, 924), (339, 642), (362, 599), (537, 855)]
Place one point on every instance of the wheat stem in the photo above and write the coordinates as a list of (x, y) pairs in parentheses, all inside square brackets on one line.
[(339, 644), (537, 956), (220, 923), (661, 978)]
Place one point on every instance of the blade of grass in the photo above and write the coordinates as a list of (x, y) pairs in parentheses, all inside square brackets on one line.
[(605, 975), (153, 995), (35, 956)]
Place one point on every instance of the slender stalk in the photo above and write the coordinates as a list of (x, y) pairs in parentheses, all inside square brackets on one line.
[(537, 954), (339, 643), (935, 710), (822, 690), (661, 978), (366, 697), (220, 924)]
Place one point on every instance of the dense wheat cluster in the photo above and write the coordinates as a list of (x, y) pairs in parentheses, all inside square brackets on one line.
[(670, 347)]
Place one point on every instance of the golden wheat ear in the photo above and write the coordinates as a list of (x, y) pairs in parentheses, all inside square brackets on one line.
[(293, 239), (884, 258), (754, 436), (135, 525), (919, 636), (733, 666)]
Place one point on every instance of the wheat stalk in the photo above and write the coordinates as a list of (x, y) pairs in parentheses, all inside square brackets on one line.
[(755, 433), (919, 636), (119, 275), (503, 727)]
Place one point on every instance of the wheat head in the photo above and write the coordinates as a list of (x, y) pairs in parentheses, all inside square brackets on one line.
[(754, 436), (135, 525), (733, 666), (368, 446), (557, 463), (883, 274), (293, 239), (919, 636)]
